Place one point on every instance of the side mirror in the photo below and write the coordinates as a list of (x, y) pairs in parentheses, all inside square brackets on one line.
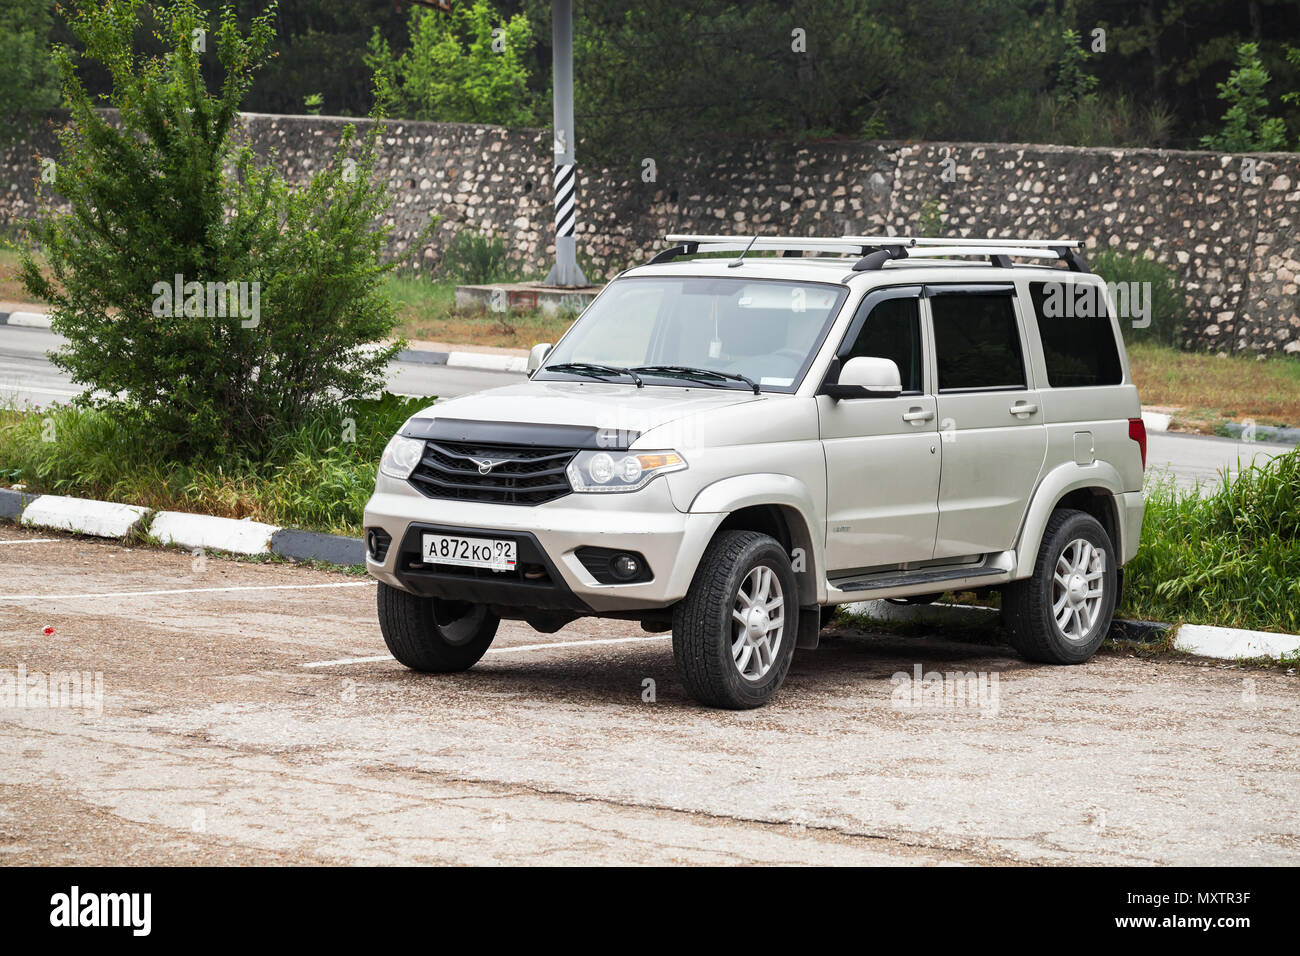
[(536, 356), (866, 377)]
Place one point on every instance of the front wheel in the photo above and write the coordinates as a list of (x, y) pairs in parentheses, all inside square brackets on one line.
[(735, 631), (432, 635), (1061, 613)]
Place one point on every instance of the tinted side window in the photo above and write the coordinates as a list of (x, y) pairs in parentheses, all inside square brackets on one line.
[(893, 331), (1078, 341), (976, 342)]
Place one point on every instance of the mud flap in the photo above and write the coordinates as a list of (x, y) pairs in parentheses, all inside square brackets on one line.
[(810, 625)]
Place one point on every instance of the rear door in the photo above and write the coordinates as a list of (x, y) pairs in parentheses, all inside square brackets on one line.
[(993, 442), (882, 460)]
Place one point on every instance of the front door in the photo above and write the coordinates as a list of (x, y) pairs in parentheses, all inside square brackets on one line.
[(882, 457)]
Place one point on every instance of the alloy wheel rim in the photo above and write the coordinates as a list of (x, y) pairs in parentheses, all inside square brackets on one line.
[(757, 623), (1078, 588)]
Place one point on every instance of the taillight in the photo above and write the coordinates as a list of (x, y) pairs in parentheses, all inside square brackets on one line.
[(1137, 430)]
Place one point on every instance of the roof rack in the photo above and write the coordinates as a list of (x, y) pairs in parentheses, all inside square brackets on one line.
[(875, 251)]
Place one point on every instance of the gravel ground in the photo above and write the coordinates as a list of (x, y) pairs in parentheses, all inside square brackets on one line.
[(213, 743)]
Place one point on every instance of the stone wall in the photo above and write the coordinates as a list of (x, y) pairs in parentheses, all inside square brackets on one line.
[(1231, 240)]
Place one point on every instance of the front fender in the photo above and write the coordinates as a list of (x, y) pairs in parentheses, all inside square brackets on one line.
[(799, 508)]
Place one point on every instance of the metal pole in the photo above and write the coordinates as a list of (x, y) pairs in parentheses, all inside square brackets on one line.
[(566, 271)]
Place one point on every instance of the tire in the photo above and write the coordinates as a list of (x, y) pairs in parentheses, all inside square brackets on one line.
[(721, 664), (1034, 627), (432, 635)]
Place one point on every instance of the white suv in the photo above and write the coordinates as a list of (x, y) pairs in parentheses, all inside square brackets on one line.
[(728, 446)]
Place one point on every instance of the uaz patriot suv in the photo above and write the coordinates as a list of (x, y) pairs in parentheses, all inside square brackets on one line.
[(725, 447)]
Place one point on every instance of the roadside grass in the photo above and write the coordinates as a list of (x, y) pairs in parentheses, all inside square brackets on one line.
[(1210, 389), (317, 477), (427, 310), (1230, 559), (11, 288)]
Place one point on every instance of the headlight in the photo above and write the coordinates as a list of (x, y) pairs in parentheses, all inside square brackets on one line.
[(401, 455), (620, 470)]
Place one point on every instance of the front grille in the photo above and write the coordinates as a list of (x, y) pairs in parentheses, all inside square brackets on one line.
[(521, 475)]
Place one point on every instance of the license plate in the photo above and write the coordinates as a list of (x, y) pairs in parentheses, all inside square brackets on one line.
[(492, 553)]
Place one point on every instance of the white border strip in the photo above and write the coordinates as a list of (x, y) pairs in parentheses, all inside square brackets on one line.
[(1231, 643)]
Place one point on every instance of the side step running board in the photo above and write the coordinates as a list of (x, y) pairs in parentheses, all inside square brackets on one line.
[(908, 578)]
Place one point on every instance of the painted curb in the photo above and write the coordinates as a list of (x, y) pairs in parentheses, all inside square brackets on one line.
[(103, 519), (12, 503), (29, 320), (487, 362), (206, 531), (1156, 421), (1231, 643), (421, 357), (1141, 632), (316, 546)]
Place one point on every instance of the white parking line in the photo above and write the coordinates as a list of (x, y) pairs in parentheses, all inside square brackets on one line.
[(243, 587), (502, 650), (32, 541)]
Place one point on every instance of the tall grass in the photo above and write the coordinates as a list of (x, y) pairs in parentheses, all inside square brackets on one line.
[(317, 476), (1232, 558)]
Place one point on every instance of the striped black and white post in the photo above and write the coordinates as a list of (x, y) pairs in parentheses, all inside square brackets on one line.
[(566, 214), (566, 271)]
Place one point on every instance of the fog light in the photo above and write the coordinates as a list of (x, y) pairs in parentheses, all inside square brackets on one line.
[(624, 567)]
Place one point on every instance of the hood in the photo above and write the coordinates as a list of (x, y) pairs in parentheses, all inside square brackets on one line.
[(569, 413)]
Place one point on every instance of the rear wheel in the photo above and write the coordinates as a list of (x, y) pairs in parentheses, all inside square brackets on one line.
[(432, 635), (1062, 612), (735, 631)]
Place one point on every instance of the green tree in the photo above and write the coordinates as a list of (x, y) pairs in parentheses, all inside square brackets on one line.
[(28, 81), (164, 195), (464, 67), (1073, 81), (1246, 128)]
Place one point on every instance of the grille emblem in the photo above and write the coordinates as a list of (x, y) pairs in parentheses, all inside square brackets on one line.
[(485, 465)]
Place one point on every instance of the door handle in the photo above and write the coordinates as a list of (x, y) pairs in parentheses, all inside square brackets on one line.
[(917, 415), (1023, 408)]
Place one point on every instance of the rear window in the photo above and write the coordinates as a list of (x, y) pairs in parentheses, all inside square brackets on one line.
[(977, 342), (1078, 340)]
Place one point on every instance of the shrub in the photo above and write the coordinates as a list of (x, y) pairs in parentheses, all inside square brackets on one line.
[(1232, 558), (165, 193), (1167, 302), (475, 258)]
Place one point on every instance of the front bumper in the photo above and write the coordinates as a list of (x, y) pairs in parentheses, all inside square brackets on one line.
[(547, 537)]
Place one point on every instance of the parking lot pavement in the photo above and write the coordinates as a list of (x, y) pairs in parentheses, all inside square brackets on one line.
[(249, 714)]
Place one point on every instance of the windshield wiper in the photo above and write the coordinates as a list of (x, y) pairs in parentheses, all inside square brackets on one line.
[(688, 371), (598, 371)]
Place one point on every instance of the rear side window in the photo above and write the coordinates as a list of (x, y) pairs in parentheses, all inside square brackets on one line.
[(893, 331), (976, 342), (1078, 341)]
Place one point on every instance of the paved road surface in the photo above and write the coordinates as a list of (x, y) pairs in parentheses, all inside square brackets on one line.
[(220, 742)]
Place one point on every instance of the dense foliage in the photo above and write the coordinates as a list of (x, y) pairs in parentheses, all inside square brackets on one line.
[(200, 294)]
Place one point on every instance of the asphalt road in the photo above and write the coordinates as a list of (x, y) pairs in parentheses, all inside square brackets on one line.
[(250, 714), (27, 376)]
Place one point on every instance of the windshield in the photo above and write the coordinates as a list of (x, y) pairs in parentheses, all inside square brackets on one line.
[(678, 330)]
